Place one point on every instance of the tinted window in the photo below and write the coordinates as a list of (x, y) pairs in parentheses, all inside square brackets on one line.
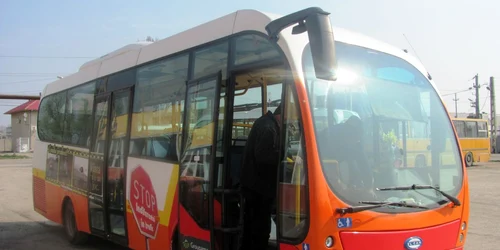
[(121, 80), (460, 127), (471, 129), (482, 129), (210, 60), (79, 114), (253, 48), (51, 117), (158, 108)]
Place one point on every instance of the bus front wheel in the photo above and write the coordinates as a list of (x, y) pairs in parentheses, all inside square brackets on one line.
[(74, 236), (469, 159)]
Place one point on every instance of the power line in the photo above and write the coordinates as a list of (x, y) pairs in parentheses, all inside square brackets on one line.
[(460, 91), (466, 101), (27, 81), (25, 91), (484, 103), (29, 73), (49, 57), (414, 51)]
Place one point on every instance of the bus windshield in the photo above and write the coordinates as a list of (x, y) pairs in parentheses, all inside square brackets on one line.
[(381, 124)]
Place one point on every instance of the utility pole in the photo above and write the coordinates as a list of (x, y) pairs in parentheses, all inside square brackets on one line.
[(456, 108), (493, 120), (476, 86)]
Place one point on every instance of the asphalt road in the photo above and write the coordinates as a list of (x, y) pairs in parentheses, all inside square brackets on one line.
[(484, 221), (22, 228)]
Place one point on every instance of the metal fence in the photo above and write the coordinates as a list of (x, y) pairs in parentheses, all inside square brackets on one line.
[(6, 145)]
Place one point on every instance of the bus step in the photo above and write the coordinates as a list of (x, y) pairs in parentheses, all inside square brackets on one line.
[(228, 229), (226, 191)]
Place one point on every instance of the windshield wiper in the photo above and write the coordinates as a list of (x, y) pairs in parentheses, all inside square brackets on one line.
[(376, 204), (454, 200)]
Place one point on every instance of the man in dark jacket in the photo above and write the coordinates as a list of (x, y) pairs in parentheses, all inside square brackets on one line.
[(258, 179)]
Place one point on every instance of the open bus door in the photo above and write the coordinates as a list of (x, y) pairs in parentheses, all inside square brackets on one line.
[(107, 163), (198, 163)]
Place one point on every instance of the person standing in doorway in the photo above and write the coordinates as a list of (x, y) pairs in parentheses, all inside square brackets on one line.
[(259, 173)]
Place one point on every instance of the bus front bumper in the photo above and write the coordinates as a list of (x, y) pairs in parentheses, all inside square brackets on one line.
[(442, 237)]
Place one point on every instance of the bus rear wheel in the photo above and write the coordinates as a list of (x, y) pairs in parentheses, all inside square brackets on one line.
[(74, 236), (469, 159)]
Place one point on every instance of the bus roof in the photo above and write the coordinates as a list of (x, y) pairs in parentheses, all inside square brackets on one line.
[(241, 20)]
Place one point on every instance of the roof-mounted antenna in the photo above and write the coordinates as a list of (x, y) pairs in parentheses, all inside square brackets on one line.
[(414, 51)]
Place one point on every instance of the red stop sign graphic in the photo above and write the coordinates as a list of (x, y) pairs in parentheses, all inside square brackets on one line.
[(143, 202)]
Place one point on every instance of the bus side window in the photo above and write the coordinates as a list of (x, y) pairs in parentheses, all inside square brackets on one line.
[(51, 117), (460, 127), (482, 129), (158, 106), (247, 108), (80, 102), (292, 211), (471, 129)]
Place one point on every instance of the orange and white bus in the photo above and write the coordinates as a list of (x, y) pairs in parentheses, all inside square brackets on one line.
[(143, 146), (474, 139)]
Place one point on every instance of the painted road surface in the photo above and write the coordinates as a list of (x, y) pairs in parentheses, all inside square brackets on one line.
[(20, 226)]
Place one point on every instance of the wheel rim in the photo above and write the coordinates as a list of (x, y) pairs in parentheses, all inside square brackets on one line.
[(469, 159)]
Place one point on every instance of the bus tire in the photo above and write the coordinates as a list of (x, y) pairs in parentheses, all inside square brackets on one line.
[(74, 236), (469, 159)]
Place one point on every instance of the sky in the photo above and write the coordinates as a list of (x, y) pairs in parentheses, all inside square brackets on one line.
[(455, 40)]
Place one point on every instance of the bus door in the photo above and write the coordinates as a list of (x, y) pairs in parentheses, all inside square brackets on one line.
[(107, 159), (198, 163)]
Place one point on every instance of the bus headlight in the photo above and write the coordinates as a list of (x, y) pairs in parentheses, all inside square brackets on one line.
[(329, 241), (464, 225)]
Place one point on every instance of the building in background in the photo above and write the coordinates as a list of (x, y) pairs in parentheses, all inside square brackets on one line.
[(23, 125)]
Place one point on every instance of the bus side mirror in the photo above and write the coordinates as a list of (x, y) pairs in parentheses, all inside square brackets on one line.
[(322, 46), (316, 22)]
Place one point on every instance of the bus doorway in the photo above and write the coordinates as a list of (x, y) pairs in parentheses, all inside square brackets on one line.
[(258, 91), (199, 158), (107, 162), (252, 93), (220, 109), (210, 200)]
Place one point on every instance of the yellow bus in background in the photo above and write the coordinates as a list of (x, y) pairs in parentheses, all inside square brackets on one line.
[(474, 139)]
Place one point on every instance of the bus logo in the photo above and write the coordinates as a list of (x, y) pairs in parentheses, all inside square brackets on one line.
[(413, 243)]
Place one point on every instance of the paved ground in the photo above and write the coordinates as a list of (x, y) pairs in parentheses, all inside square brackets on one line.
[(484, 225), (22, 228)]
